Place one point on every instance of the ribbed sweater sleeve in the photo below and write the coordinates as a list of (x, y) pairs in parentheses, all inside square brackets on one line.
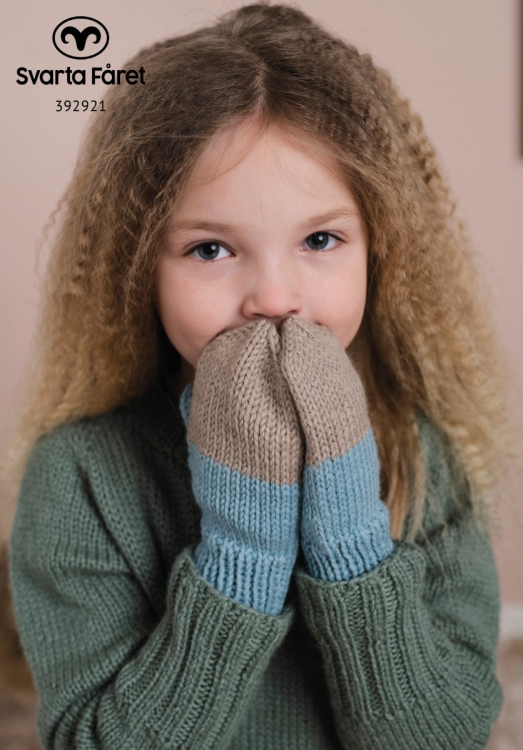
[(409, 647), (110, 672)]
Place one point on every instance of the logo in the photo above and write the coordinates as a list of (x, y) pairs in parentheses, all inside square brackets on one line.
[(80, 37)]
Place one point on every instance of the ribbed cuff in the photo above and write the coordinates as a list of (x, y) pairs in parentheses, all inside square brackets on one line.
[(345, 528), (257, 580), (395, 678), (337, 560), (250, 533), (220, 650)]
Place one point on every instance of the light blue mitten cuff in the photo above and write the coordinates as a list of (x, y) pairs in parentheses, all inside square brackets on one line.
[(345, 526), (247, 551)]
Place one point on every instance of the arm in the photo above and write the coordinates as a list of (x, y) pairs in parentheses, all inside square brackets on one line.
[(111, 673), (407, 631), (409, 650)]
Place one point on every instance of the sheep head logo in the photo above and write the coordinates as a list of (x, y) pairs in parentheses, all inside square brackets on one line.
[(80, 37)]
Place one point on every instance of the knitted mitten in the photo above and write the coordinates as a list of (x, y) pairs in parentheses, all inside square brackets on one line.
[(246, 453), (345, 526)]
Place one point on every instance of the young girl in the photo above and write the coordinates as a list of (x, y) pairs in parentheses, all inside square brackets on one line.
[(267, 420)]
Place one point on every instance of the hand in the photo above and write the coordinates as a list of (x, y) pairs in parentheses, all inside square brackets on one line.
[(345, 527), (246, 453)]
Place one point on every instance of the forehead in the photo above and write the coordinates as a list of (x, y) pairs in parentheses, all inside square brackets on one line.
[(230, 146)]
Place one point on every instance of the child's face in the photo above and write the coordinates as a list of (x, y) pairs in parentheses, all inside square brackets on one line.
[(268, 261)]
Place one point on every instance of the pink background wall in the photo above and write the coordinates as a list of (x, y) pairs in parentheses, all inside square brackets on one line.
[(459, 68)]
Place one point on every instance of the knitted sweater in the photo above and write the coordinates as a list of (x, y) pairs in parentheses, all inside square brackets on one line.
[(130, 647)]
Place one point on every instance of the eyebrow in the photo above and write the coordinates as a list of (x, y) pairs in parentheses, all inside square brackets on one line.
[(218, 226)]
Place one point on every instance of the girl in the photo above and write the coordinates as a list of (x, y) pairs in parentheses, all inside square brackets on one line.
[(268, 417)]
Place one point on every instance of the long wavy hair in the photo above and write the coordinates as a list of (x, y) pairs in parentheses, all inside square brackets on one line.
[(426, 343)]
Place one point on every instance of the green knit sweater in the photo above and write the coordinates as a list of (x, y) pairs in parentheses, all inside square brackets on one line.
[(131, 648)]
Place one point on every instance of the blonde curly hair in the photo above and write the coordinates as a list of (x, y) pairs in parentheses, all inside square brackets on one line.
[(426, 343)]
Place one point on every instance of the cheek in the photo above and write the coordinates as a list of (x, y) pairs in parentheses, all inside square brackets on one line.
[(173, 300), (347, 292), (191, 312), (355, 302), (176, 294), (345, 306)]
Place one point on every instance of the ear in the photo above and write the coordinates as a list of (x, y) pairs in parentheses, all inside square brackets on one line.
[(185, 403)]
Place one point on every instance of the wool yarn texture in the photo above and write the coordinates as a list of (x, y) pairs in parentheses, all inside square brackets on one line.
[(245, 454), (345, 526)]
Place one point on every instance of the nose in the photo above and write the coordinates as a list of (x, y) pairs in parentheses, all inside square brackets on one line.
[(271, 288)]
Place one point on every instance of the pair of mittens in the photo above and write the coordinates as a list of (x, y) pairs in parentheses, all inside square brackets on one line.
[(263, 405)]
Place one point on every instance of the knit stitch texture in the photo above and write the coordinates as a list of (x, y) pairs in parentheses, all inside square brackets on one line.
[(345, 526), (132, 648), (245, 456)]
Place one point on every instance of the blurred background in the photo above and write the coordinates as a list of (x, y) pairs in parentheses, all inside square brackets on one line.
[(463, 72)]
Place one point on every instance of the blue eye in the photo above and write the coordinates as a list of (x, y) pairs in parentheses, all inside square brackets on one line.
[(212, 247), (322, 238)]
